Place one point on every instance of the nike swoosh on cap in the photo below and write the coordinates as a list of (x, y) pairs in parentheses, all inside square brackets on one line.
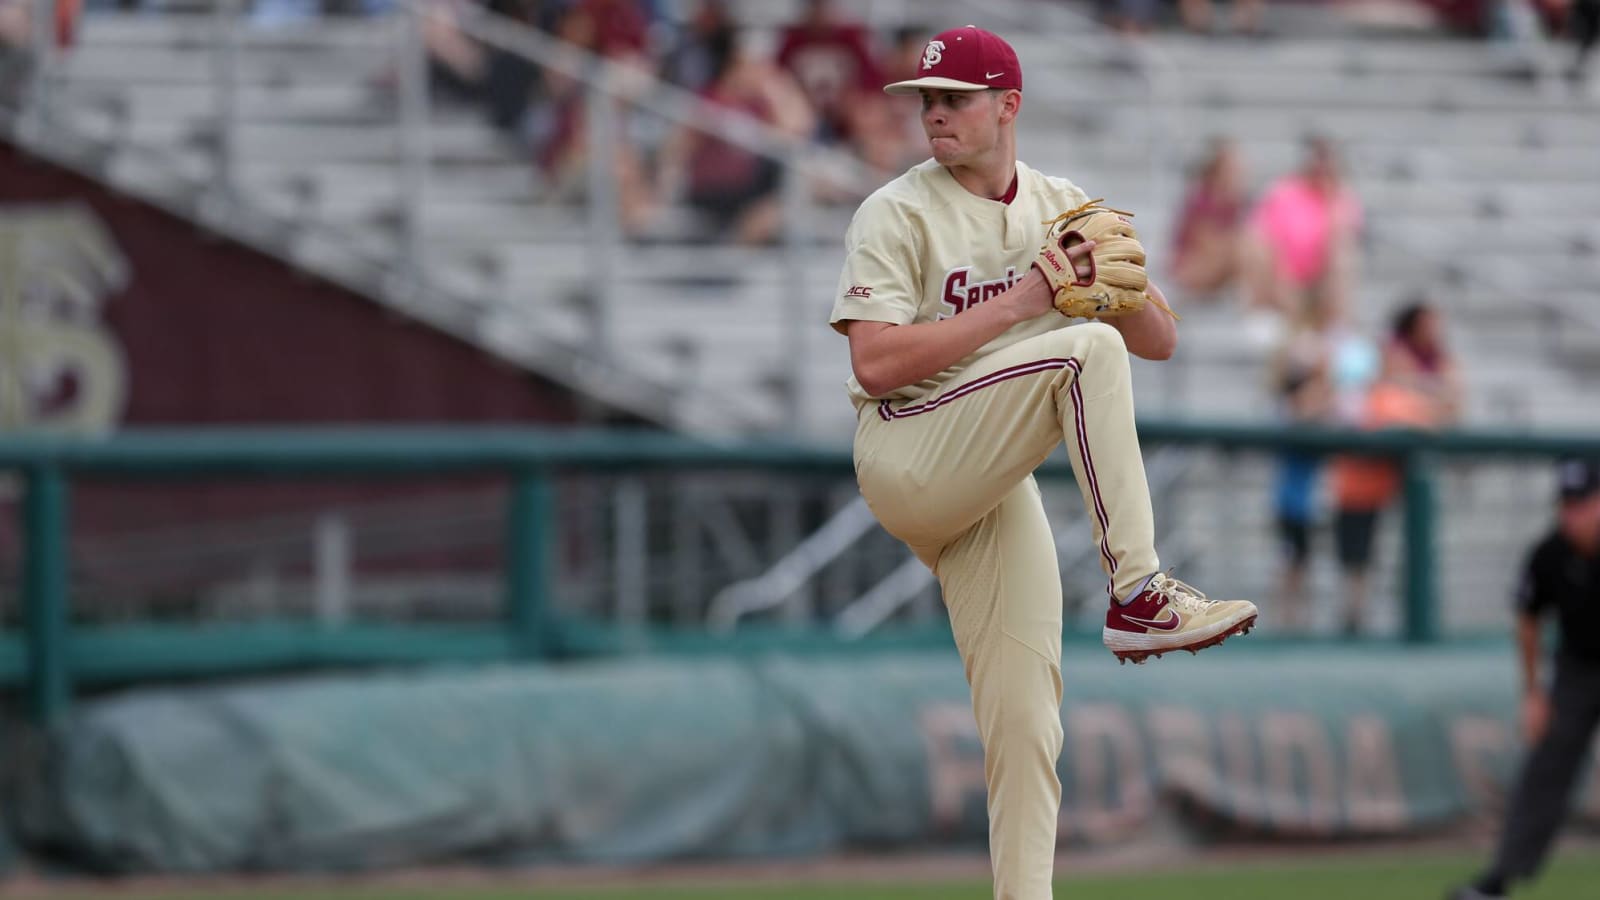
[(993, 75)]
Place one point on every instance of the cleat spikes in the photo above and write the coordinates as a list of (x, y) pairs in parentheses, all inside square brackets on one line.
[(1142, 656)]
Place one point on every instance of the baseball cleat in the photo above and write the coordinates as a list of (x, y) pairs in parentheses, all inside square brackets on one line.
[(1170, 615)]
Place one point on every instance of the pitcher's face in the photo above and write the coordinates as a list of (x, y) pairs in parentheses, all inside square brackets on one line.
[(963, 126)]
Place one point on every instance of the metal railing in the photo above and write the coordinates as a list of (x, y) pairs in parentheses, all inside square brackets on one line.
[(778, 585), (57, 655)]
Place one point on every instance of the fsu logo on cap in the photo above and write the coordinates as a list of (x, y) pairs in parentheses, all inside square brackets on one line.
[(964, 59)]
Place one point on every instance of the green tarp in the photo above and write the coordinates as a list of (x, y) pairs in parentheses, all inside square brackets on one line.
[(671, 758)]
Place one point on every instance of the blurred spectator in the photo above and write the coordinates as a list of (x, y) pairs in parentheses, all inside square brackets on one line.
[(903, 58), (16, 22), (1130, 18), (1199, 16), (1465, 17), (888, 129), (1364, 486), (277, 13), (1583, 23), (1206, 245), (831, 59), (512, 82), (689, 63), (1522, 22), (458, 64), (1416, 355), (504, 81), (618, 31), (1300, 243), (561, 133), (736, 186), (1304, 387), (1320, 375)]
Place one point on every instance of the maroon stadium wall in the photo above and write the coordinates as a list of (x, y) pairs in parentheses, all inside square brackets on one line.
[(128, 316), (216, 333)]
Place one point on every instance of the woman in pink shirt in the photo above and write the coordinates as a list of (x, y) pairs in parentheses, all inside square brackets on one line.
[(1302, 237)]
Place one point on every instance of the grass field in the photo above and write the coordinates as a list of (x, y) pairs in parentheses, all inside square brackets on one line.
[(1570, 878)]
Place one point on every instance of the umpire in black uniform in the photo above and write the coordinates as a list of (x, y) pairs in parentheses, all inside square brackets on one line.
[(1562, 576)]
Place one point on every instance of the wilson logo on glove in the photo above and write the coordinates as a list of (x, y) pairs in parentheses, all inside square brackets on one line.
[(1115, 282)]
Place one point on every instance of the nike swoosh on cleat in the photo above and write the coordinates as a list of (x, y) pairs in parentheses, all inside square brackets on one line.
[(1172, 623)]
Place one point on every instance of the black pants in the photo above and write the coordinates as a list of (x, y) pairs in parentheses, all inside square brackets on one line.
[(1544, 788), (1585, 25)]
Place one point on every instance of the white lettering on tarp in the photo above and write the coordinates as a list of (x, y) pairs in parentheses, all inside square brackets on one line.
[(1181, 746), (1302, 793), (955, 764), (1374, 800), (1483, 751), (1111, 796), (1239, 769), (1281, 770)]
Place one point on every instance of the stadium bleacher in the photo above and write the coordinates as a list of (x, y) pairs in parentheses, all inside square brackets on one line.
[(1454, 157)]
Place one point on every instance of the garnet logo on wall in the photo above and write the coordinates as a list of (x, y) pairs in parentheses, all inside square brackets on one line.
[(61, 370)]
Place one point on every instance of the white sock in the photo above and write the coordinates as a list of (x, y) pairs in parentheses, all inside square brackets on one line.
[(1137, 591)]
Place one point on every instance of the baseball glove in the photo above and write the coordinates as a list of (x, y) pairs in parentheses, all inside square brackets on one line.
[(1115, 283)]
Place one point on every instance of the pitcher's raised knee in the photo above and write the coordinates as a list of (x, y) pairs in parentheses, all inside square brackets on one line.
[(1085, 340), (1101, 335)]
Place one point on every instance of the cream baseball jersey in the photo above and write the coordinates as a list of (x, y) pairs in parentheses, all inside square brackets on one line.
[(924, 248)]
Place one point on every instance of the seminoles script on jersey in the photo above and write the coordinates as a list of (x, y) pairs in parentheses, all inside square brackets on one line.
[(961, 293)]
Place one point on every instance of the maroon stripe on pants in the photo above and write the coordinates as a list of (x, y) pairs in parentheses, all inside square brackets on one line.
[(993, 378), (1091, 477), (888, 413)]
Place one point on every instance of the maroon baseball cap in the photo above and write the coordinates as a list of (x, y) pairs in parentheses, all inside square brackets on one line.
[(964, 59)]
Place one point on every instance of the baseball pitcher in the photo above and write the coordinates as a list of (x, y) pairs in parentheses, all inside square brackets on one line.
[(962, 281)]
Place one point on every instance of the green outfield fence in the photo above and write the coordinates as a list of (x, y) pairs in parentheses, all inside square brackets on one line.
[(51, 656)]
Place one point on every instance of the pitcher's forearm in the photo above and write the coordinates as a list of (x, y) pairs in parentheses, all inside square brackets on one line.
[(1149, 333), (885, 357)]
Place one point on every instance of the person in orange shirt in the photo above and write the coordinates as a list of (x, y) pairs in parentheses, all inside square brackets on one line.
[(1364, 486), (1418, 355)]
